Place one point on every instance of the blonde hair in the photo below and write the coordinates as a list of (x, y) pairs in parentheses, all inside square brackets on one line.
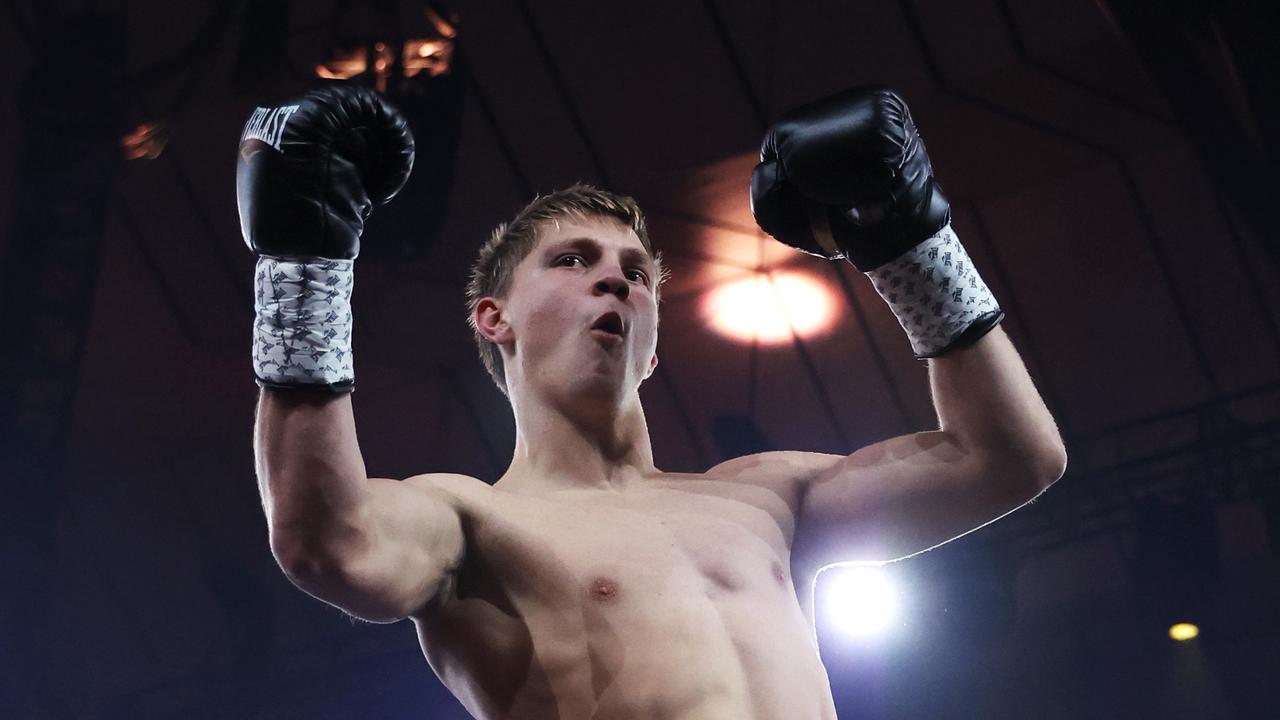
[(511, 242)]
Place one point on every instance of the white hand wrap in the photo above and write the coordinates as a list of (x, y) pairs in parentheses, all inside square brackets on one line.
[(302, 329), (934, 291)]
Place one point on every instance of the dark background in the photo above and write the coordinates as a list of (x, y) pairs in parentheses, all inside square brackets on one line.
[(1110, 166)]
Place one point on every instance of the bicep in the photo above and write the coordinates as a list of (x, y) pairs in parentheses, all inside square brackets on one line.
[(397, 555), (900, 497)]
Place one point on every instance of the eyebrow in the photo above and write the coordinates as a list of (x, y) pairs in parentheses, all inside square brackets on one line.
[(630, 256)]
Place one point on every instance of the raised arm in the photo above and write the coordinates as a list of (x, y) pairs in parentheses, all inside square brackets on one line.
[(847, 176), (309, 173)]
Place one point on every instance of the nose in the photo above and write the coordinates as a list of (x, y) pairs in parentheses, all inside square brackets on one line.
[(614, 284)]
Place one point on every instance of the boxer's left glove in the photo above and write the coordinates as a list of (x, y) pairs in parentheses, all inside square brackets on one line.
[(309, 173), (847, 176)]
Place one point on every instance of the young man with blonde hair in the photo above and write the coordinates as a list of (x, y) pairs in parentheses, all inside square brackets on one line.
[(586, 582)]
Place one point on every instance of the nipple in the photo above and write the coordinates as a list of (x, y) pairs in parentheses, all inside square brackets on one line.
[(778, 575), (604, 589)]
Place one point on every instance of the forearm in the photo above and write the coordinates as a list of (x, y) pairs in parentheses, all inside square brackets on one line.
[(310, 471), (985, 399)]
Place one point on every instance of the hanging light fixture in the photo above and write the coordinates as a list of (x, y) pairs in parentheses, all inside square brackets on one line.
[(369, 40)]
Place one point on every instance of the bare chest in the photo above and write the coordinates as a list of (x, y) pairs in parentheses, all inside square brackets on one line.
[(558, 591), (618, 549)]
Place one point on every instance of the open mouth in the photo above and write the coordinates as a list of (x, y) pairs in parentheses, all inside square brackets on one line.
[(610, 322)]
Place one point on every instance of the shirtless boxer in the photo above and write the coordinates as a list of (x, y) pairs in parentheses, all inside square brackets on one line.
[(586, 582)]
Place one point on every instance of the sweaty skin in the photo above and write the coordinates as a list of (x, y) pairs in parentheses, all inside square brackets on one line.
[(671, 598)]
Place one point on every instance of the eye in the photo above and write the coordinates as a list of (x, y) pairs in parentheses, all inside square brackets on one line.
[(561, 260), (638, 276)]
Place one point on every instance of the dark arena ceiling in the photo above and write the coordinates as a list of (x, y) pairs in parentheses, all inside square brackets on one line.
[(1110, 166)]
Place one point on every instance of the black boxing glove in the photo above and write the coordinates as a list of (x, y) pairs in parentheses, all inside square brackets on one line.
[(848, 177), (309, 174)]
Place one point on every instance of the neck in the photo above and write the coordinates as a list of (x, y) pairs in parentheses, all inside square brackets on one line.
[(562, 448)]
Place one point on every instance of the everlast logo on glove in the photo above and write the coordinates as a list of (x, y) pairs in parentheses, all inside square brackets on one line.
[(302, 210), (267, 124)]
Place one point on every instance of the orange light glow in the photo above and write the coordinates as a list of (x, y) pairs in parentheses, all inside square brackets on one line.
[(770, 307), (430, 56), (344, 64), (147, 141)]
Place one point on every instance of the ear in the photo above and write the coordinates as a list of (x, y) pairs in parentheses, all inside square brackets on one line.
[(653, 365), (490, 321)]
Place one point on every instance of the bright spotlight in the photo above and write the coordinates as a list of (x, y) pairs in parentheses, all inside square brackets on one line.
[(860, 600), (769, 307), (1183, 631)]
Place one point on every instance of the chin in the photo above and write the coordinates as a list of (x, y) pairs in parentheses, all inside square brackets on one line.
[(600, 386)]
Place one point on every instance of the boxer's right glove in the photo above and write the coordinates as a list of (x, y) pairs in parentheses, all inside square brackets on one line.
[(309, 173)]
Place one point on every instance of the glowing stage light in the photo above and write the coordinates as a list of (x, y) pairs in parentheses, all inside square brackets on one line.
[(1183, 631), (359, 53), (769, 307), (860, 601)]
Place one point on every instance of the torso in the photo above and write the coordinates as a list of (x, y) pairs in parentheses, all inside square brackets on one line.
[(672, 601)]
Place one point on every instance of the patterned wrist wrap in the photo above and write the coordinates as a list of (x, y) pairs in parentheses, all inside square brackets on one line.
[(937, 294), (302, 328)]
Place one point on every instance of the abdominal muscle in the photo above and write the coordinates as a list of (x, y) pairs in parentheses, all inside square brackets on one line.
[(640, 665)]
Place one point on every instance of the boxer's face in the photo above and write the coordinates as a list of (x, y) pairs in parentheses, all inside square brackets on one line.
[(581, 315)]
